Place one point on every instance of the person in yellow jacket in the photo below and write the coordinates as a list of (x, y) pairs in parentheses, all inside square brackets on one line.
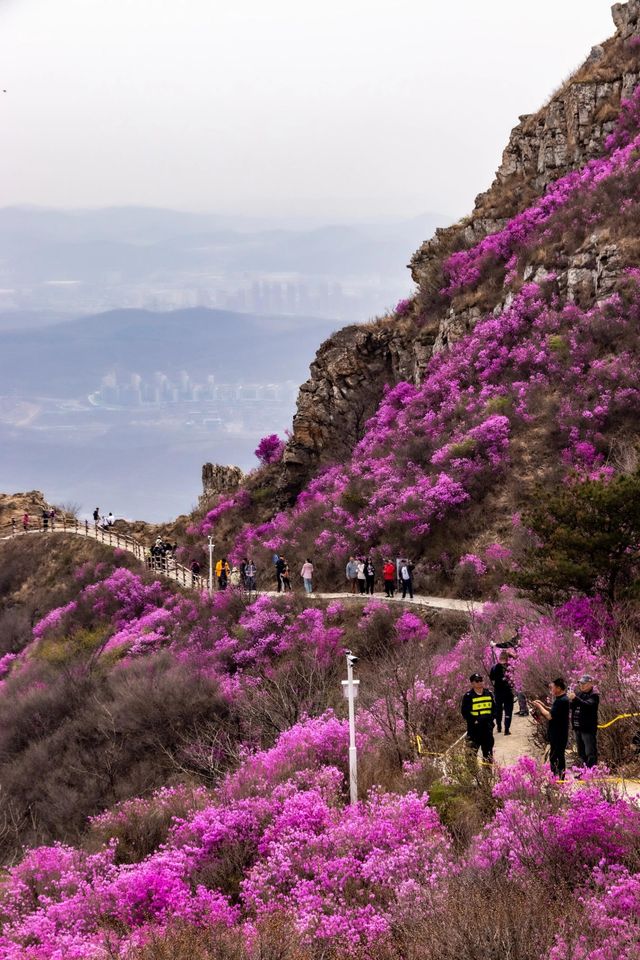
[(222, 573)]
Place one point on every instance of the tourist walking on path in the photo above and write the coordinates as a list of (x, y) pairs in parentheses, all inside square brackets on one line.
[(307, 575), (222, 573), (45, 520), (406, 578), (235, 578), (195, 572), (250, 572), (389, 577), (479, 709), (370, 575), (286, 576), (361, 575), (584, 703), (280, 565), (503, 692), (25, 522), (96, 516), (558, 728), (351, 571)]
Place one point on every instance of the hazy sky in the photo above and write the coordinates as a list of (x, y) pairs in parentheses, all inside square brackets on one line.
[(338, 108)]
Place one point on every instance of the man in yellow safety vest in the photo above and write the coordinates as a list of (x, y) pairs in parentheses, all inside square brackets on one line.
[(479, 710)]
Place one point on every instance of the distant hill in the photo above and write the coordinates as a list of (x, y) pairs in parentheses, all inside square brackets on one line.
[(69, 359)]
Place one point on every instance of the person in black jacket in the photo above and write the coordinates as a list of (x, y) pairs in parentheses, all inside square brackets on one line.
[(558, 729), (479, 709), (584, 720), (503, 690)]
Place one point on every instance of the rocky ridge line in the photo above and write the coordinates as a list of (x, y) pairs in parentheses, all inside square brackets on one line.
[(351, 368)]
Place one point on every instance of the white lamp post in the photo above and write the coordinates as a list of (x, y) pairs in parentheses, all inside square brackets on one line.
[(350, 691), (211, 546)]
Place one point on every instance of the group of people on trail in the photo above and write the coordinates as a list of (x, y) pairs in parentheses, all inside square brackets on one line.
[(48, 519), (103, 521), (361, 576), (161, 553), (226, 574), (577, 709)]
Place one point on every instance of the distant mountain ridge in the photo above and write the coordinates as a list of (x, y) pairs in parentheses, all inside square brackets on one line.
[(69, 358)]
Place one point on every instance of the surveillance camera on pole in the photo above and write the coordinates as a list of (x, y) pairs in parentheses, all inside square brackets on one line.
[(350, 691)]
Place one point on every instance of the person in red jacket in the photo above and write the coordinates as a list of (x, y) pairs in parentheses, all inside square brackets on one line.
[(389, 577)]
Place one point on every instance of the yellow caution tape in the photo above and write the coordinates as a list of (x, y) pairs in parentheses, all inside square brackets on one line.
[(621, 716)]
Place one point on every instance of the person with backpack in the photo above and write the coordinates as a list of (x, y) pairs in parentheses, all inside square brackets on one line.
[(389, 577), (370, 575), (406, 578)]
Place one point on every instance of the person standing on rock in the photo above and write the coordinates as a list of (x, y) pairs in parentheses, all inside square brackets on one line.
[(389, 577), (307, 575), (558, 728), (584, 703), (370, 575), (503, 692), (351, 571), (479, 709), (406, 578)]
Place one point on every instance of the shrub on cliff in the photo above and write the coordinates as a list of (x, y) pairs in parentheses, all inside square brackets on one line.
[(589, 540)]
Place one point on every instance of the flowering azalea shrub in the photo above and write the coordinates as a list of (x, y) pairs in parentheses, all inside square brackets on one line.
[(270, 449), (572, 834), (433, 451)]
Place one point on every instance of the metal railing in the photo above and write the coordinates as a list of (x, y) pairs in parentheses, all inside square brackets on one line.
[(167, 566)]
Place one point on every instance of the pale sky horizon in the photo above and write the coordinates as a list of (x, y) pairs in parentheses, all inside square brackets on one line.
[(348, 109)]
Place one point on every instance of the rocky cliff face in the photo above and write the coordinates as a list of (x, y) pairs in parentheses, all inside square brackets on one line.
[(217, 479), (351, 369)]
